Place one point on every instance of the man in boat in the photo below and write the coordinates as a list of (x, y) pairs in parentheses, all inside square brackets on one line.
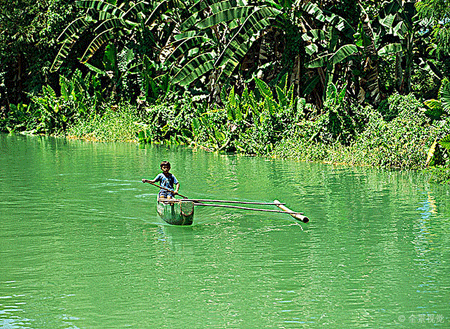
[(166, 180)]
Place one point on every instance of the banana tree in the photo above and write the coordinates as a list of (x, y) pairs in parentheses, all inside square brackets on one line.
[(137, 29), (437, 12), (436, 110), (328, 48), (441, 107), (214, 39), (116, 67), (390, 34), (369, 39), (397, 17)]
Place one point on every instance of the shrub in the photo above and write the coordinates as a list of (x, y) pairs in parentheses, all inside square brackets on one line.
[(400, 142)]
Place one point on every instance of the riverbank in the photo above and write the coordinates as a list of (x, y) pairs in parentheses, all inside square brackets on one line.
[(399, 134), (402, 142)]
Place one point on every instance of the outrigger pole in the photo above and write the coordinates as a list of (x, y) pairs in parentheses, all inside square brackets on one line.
[(296, 215), (229, 201)]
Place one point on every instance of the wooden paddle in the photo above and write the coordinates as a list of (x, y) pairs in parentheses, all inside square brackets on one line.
[(164, 188)]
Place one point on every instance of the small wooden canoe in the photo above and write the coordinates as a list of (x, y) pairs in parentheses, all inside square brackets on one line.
[(176, 212)]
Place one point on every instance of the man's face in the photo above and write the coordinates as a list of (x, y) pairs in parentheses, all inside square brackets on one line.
[(165, 168)]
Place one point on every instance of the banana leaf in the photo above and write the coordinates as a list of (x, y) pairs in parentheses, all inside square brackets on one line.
[(319, 35), (264, 89), (97, 43), (225, 16), (310, 85), (112, 23), (182, 48), (431, 151), (231, 105), (445, 97), (194, 69), (162, 7), (282, 99), (318, 62), (388, 21), (314, 10), (342, 53), (185, 35), (65, 89), (445, 142), (283, 83), (195, 124), (96, 69), (311, 49), (331, 94), (342, 93), (70, 35), (390, 49), (224, 5), (239, 43), (105, 9), (253, 103), (195, 11), (433, 104)]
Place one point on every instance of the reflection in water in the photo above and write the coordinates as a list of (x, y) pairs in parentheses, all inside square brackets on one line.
[(81, 244), (180, 239)]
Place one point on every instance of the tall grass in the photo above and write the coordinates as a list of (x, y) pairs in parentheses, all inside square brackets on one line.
[(117, 123)]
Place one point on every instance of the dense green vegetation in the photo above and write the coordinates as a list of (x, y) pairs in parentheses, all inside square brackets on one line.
[(357, 82)]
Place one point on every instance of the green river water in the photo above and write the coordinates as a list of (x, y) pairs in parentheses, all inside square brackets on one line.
[(81, 245)]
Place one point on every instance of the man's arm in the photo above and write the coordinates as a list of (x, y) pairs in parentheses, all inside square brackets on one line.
[(151, 181)]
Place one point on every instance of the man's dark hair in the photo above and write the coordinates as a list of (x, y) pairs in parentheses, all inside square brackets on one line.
[(165, 163)]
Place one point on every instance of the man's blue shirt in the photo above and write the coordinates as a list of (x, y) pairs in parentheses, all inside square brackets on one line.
[(167, 182)]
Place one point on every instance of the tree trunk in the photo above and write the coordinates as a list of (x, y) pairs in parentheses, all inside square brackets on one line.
[(398, 73), (408, 66)]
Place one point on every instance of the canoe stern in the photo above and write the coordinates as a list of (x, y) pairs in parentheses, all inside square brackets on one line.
[(176, 213)]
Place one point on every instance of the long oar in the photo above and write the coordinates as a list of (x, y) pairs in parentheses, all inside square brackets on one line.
[(239, 202), (294, 214), (165, 188)]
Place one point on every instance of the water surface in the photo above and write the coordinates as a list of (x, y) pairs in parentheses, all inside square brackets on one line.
[(81, 245)]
